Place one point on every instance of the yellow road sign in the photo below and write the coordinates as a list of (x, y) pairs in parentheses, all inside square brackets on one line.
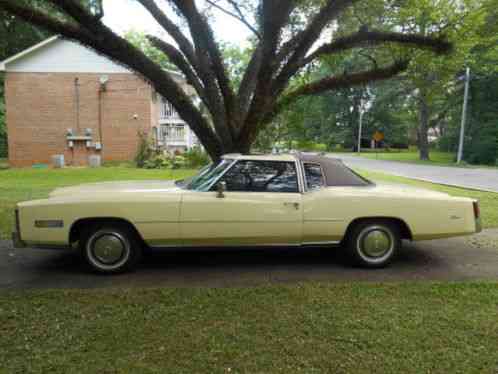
[(378, 136)]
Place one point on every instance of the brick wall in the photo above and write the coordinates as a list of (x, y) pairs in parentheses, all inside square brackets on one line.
[(42, 106)]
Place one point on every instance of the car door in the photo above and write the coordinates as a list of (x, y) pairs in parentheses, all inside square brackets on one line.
[(261, 205), (322, 221)]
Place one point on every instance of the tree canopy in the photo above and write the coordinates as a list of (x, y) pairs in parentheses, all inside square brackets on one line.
[(289, 36)]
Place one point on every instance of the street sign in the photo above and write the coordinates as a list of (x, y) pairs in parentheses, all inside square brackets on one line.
[(378, 136)]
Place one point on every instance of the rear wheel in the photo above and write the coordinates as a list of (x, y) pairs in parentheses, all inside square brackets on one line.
[(373, 244), (111, 249)]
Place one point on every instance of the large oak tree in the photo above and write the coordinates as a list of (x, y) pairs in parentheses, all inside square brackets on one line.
[(282, 49)]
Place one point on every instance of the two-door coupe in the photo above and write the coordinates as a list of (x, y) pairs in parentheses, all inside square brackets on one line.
[(243, 200)]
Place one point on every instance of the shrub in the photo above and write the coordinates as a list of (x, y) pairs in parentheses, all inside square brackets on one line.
[(144, 149), (196, 158), (158, 162)]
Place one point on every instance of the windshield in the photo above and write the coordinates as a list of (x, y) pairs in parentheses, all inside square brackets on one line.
[(205, 178)]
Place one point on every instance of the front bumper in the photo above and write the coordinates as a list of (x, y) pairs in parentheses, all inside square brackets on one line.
[(16, 239)]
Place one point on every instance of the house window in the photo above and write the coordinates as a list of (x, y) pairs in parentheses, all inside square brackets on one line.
[(166, 110), (173, 133)]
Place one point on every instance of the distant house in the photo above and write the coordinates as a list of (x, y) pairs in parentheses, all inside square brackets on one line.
[(65, 99)]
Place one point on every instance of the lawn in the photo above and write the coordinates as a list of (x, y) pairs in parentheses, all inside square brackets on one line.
[(412, 156), (307, 328)]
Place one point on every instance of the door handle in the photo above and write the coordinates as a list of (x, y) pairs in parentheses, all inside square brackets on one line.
[(295, 205)]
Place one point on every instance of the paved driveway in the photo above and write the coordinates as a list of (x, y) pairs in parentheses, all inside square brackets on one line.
[(459, 259), (475, 178)]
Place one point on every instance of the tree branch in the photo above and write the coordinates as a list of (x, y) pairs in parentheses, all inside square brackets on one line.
[(203, 34), (343, 81), (76, 11), (239, 16), (300, 45), (305, 39), (173, 30), (40, 19), (123, 52), (371, 38), (179, 60)]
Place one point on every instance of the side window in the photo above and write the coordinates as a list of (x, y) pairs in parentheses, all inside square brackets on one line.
[(262, 176), (314, 176)]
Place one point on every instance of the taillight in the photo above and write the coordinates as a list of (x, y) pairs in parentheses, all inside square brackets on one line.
[(477, 212)]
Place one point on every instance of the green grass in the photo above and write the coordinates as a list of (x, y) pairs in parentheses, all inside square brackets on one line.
[(488, 200), (4, 164), (436, 157), (26, 184), (307, 328)]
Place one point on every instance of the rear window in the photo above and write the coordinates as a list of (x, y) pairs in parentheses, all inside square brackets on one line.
[(314, 176)]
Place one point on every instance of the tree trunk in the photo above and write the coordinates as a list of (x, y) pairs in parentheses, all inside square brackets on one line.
[(423, 128)]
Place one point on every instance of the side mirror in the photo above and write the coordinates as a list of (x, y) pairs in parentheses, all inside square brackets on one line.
[(221, 187)]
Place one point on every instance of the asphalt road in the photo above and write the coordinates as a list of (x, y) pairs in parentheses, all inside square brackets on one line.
[(458, 259), (485, 179)]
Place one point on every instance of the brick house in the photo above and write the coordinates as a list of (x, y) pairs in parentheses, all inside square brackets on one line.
[(64, 99)]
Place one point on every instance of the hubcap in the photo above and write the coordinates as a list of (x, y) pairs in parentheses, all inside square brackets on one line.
[(108, 249), (376, 243)]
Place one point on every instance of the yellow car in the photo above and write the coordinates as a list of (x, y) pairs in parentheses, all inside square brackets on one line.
[(243, 200)]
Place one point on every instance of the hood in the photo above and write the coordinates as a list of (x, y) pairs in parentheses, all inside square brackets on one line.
[(116, 187)]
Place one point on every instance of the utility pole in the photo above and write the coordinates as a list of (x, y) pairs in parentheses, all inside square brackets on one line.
[(360, 128), (464, 115)]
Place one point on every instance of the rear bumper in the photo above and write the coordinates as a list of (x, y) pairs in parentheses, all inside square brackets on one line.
[(16, 239)]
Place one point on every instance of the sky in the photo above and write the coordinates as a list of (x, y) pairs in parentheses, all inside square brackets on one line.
[(125, 15)]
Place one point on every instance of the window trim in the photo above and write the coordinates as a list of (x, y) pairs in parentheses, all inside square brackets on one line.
[(304, 177), (300, 186), (233, 162)]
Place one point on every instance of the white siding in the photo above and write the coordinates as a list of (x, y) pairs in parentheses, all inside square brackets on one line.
[(63, 56)]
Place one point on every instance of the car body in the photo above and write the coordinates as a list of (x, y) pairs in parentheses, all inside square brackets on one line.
[(245, 200)]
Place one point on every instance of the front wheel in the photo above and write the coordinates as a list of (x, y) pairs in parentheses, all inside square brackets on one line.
[(373, 244), (111, 249)]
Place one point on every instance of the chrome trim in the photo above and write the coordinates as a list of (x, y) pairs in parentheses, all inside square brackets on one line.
[(304, 177), (234, 161), (300, 172), (300, 185), (304, 244), (49, 224)]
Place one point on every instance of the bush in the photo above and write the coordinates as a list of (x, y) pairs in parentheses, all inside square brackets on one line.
[(158, 162), (484, 151), (196, 158), (144, 149)]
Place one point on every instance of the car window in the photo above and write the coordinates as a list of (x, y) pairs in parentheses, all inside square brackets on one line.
[(314, 176), (205, 178), (262, 176)]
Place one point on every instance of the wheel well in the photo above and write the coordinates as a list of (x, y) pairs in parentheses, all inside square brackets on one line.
[(80, 225), (403, 227)]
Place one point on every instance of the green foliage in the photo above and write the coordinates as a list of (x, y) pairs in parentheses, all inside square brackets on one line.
[(144, 149), (196, 157), (192, 159), (140, 41)]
